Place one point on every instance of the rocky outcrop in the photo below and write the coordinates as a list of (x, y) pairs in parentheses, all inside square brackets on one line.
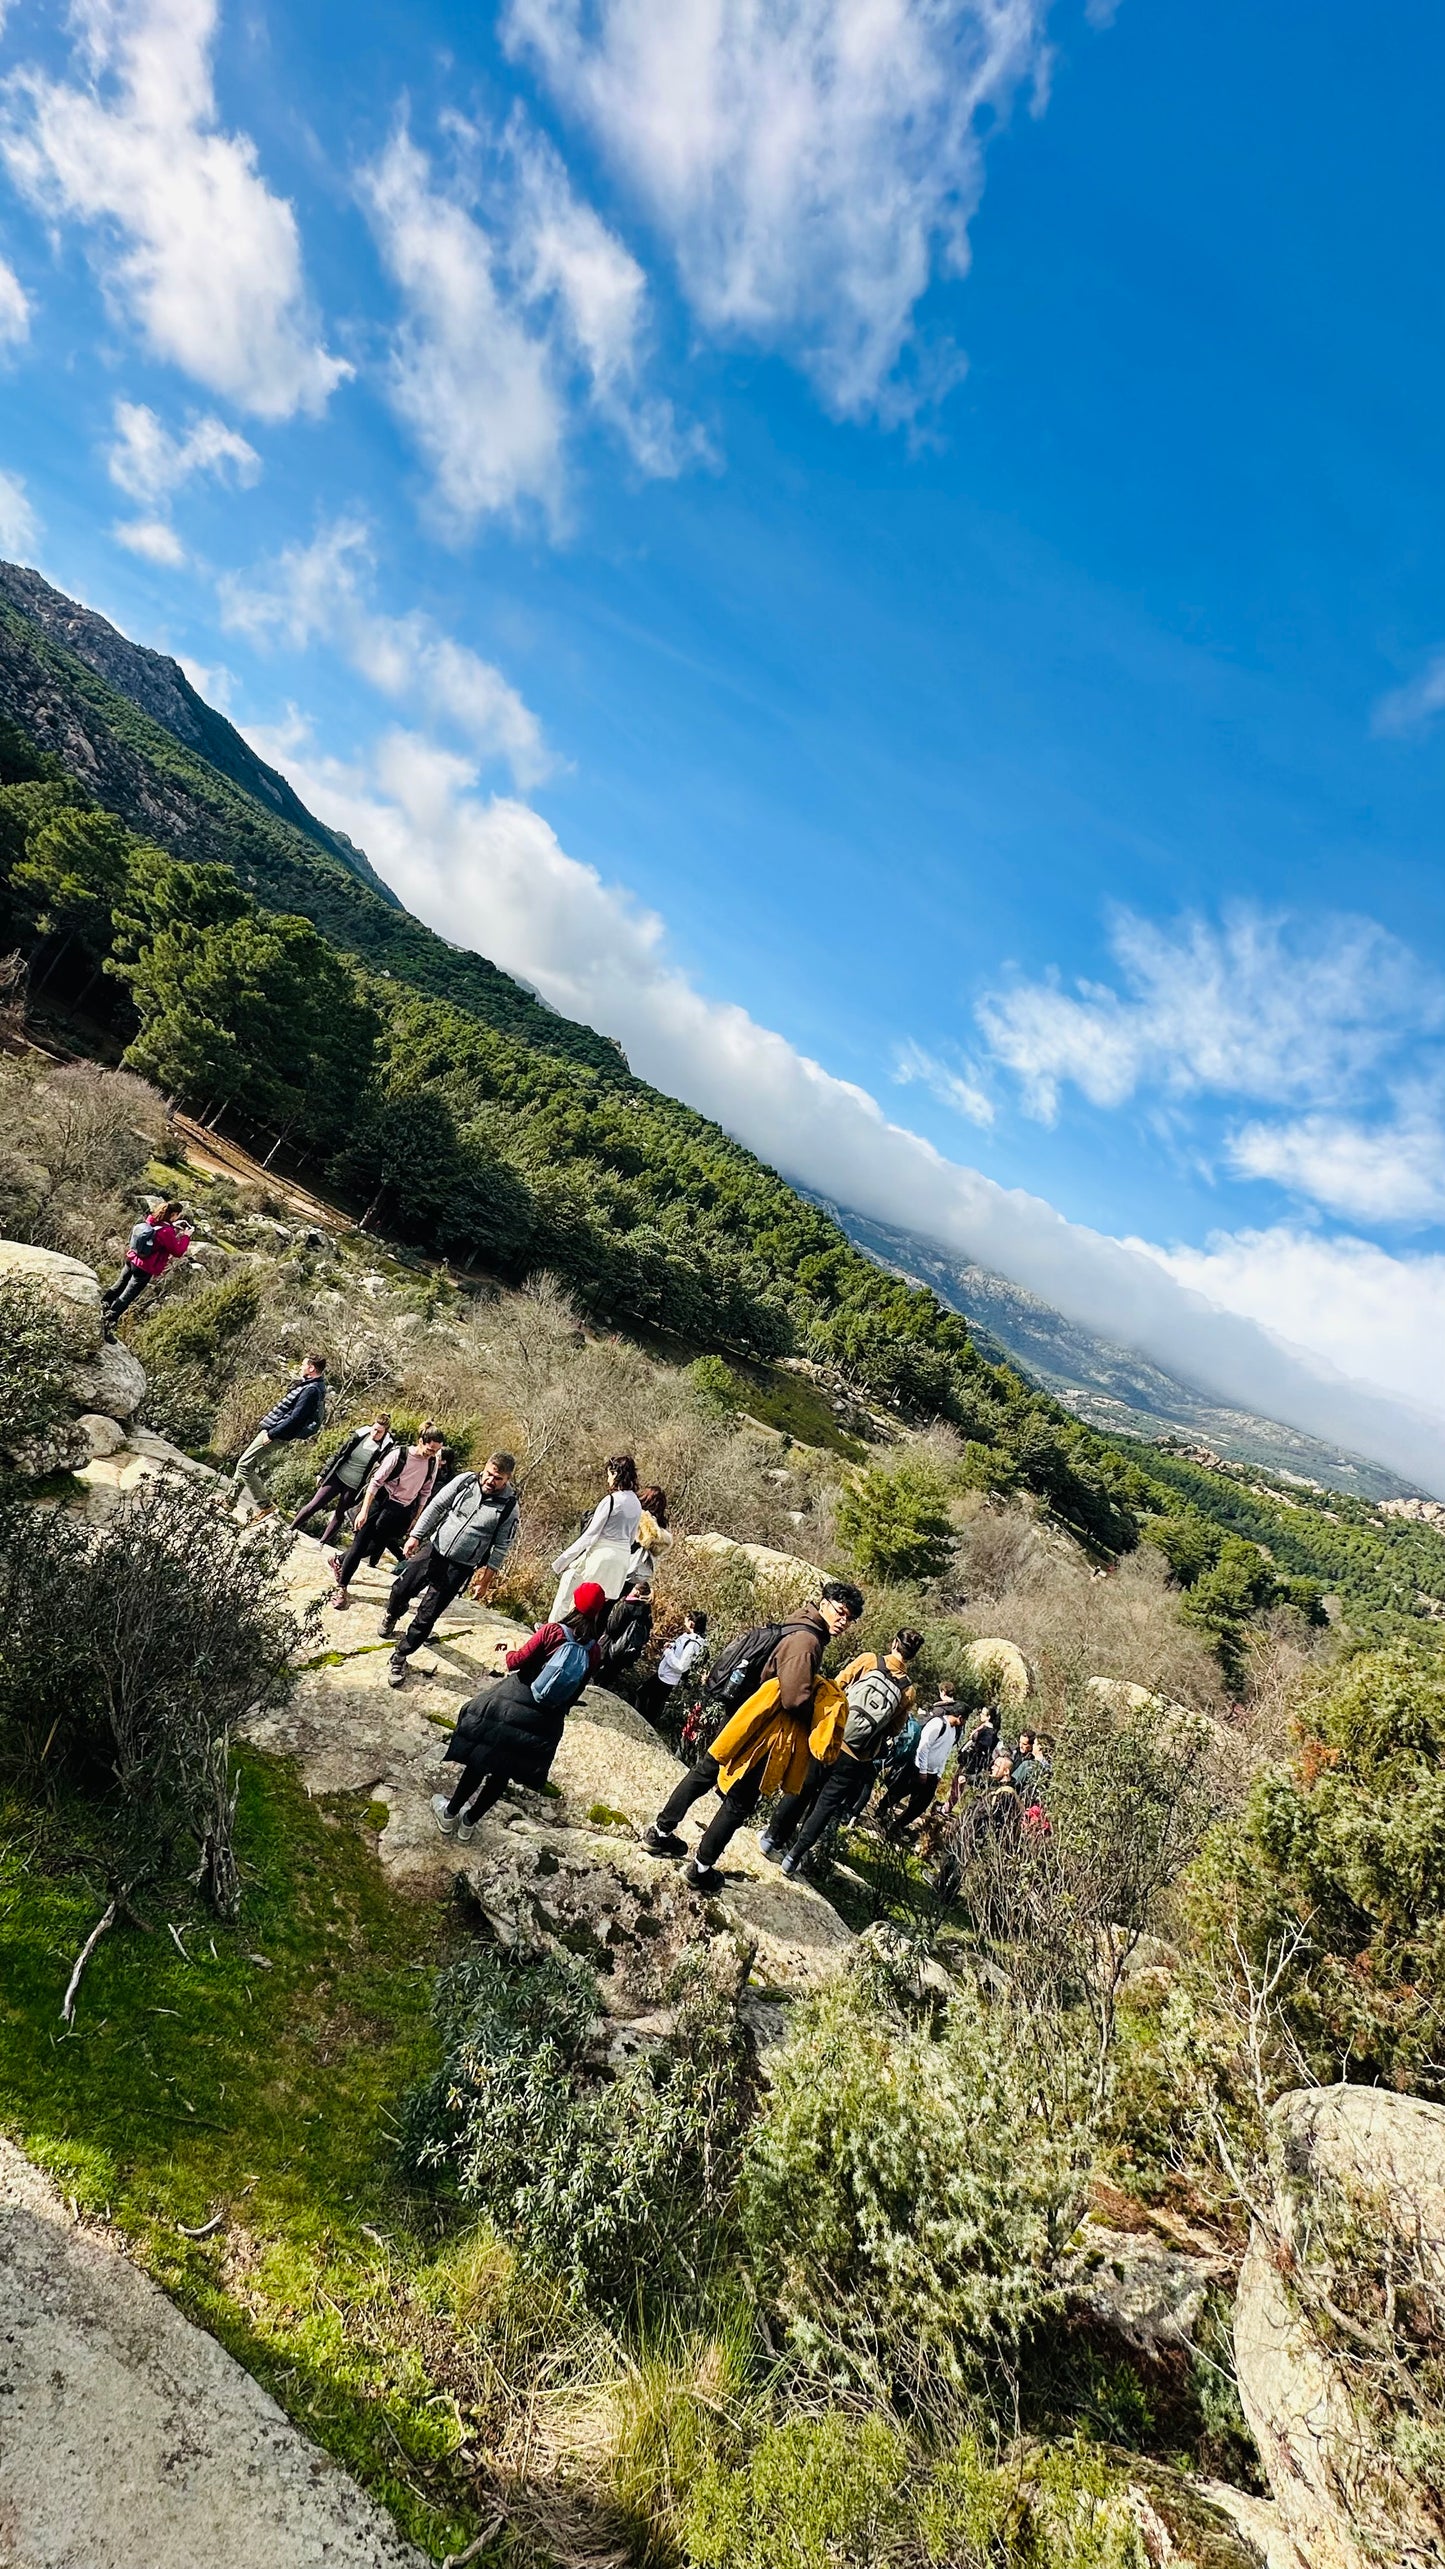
[(563, 1867), (131, 2437), (1003, 1668), (107, 1383), (1375, 2161)]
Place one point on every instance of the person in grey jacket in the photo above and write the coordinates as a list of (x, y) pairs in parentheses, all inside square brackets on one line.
[(465, 1532), (298, 1414)]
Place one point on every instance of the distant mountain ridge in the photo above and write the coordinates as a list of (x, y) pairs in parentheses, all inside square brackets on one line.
[(160, 687), (1110, 1387)]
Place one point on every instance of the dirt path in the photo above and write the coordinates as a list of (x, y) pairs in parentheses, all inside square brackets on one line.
[(130, 2440)]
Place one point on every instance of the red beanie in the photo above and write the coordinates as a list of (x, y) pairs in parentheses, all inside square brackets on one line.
[(587, 1598)]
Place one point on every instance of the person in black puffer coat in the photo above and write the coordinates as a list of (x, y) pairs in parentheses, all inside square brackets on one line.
[(504, 1736), (626, 1633)]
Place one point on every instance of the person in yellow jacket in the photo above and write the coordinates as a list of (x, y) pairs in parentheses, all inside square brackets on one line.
[(792, 1716), (839, 1788)]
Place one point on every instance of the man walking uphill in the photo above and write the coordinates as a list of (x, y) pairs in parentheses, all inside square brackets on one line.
[(765, 1744), (298, 1415), (465, 1532)]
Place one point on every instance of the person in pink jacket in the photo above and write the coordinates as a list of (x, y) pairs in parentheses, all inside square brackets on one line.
[(153, 1245)]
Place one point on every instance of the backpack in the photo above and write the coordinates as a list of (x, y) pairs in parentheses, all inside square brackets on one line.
[(144, 1240), (873, 1701), (560, 1679), (908, 1738), (737, 1670)]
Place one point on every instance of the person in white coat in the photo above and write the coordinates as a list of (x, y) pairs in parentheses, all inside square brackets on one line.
[(603, 1550)]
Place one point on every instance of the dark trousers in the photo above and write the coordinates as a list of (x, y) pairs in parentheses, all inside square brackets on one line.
[(128, 1287), (337, 1496), (844, 1789), (907, 1797), (734, 1808), (791, 1809), (384, 1531), (653, 1698), (482, 1784), (432, 1579)]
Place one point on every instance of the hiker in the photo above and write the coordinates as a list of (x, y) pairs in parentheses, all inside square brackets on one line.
[(399, 1489), (979, 1748), (876, 1689), (627, 1632), (603, 1549), (1030, 1768), (652, 1536), (909, 1790), (766, 1743), (993, 1813), (463, 1534), (345, 1477), (686, 1651), (154, 1245), (296, 1418), (511, 1730)]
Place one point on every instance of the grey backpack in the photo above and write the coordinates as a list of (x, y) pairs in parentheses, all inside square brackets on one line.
[(873, 1704)]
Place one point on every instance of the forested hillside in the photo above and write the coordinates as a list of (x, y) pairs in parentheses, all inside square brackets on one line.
[(256, 978)]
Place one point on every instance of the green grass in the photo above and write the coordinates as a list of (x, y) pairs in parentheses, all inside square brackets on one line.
[(265, 2089)]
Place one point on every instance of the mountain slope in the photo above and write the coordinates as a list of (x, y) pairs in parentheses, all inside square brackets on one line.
[(1110, 1387), (168, 789)]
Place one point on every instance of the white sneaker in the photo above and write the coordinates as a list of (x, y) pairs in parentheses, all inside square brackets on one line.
[(449, 1827), (466, 1830)]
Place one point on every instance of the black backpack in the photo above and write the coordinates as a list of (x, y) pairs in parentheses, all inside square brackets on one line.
[(143, 1240), (738, 1670)]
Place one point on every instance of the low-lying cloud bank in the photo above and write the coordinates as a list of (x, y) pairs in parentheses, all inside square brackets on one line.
[(491, 873)]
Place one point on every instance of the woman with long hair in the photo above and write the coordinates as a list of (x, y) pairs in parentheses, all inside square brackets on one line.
[(652, 1536), (603, 1550)]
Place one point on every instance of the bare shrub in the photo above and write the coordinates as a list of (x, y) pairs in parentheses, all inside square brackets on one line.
[(1073, 1624), (74, 1144)]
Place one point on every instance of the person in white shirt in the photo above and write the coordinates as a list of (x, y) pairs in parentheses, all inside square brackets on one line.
[(685, 1653), (912, 1787), (603, 1550)]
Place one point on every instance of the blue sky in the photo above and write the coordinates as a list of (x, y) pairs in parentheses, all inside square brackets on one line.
[(864, 546)]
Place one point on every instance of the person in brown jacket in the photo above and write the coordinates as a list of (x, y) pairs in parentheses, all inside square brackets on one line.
[(792, 1671), (848, 1782)]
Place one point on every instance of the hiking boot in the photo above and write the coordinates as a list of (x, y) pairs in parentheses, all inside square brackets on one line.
[(387, 1627), (770, 1851), (334, 1566), (396, 1669), (466, 1831), (701, 1877), (663, 1841), (340, 1602), (449, 1827), (794, 1868)]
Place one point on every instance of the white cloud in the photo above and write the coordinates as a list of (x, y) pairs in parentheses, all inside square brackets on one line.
[(518, 303), (1354, 1303), (148, 463), (1261, 1008), (154, 538), (1411, 709), (953, 1088), (19, 525), (194, 246), (14, 308), (1389, 1171), (811, 162), (318, 591), (490, 872)]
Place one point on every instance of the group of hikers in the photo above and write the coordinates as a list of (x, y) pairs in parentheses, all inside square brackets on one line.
[(817, 1748)]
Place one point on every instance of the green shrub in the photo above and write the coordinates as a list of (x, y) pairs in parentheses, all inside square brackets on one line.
[(190, 1348), (843, 2491), (905, 2193), (42, 1344), (1339, 1853), (620, 2187), (719, 1389), (895, 1524)]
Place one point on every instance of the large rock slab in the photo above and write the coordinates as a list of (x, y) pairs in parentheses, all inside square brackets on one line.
[(130, 2440), (69, 1282), (1343, 2499), (112, 1381), (1003, 1668), (351, 1732)]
